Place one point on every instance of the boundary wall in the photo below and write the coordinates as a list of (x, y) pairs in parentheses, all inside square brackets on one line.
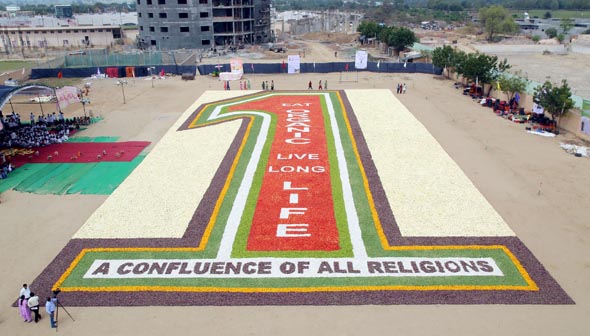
[(120, 71), (249, 68), (275, 68)]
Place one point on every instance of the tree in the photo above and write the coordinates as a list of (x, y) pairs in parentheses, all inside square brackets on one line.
[(560, 38), (554, 99), (481, 68), (401, 38), (496, 20), (512, 84), (547, 15), (444, 57), (368, 28), (536, 38), (551, 32), (566, 25)]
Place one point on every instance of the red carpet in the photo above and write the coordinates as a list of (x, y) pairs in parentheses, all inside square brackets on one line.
[(83, 152)]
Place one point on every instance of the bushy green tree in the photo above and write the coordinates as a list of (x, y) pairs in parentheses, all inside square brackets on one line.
[(481, 68), (512, 84), (368, 28), (551, 32), (401, 38), (555, 99), (445, 58), (497, 20), (396, 37), (566, 25)]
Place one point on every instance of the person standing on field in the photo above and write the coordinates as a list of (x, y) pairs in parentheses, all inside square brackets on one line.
[(34, 306), (50, 309)]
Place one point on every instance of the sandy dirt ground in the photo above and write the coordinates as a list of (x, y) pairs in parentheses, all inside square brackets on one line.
[(554, 67), (539, 190)]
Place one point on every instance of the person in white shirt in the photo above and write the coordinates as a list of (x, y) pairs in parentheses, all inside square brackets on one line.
[(34, 306), (26, 291)]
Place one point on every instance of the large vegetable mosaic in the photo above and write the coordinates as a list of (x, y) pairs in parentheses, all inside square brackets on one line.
[(290, 198)]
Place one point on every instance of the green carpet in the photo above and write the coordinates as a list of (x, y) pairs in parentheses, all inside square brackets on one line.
[(100, 178)]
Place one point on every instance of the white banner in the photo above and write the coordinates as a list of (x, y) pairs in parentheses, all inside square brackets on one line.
[(292, 268), (67, 95), (360, 61), (236, 65), (293, 63)]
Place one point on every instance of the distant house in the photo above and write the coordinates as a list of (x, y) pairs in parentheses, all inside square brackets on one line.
[(411, 56), (59, 37), (63, 11)]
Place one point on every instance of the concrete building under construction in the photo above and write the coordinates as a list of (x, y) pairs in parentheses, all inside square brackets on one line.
[(177, 24)]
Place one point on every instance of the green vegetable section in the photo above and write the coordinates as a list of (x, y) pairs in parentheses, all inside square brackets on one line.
[(100, 178), (94, 139), (512, 276)]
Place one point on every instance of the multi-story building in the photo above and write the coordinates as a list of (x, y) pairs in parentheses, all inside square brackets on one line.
[(176, 24), (18, 39)]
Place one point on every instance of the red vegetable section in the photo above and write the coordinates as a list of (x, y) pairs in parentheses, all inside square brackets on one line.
[(295, 207), (82, 152)]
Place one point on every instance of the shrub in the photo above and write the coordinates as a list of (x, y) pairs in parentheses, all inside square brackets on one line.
[(560, 38), (551, 32)]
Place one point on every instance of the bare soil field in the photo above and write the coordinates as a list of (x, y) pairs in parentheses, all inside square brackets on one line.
[(554, 67)]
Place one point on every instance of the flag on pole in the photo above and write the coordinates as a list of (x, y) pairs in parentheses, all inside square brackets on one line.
[(498, 85), (313, 66), (98, 71), (252, 66), (378, 63), (405, 64), (162, 74), (346, 67), (60, 75), (476, 82), (133, 72)]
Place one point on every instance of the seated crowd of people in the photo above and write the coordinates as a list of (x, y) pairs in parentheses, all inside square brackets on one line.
[(47, 130), (32, 136), (42, 131)]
